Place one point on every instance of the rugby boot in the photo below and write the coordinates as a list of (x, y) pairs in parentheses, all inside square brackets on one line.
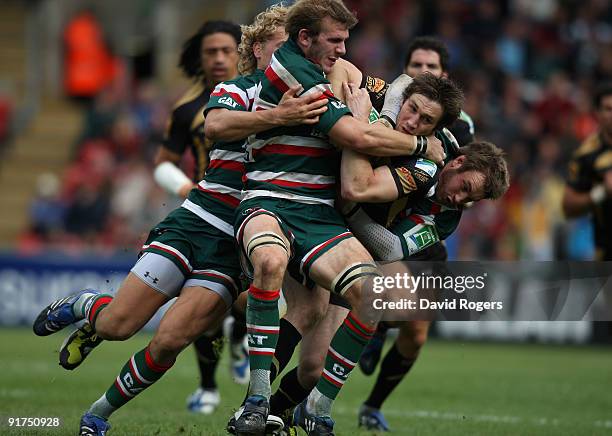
[(371, 354), (252, 421), (58, 314), (372, 419), (275, 426), (313, 425), (204, 401), (239, 362), (93, 425), (77, 347)]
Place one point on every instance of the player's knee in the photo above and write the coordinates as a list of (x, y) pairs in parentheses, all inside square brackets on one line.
[(410, 341), (309, 373), (271, 265), (169, 343)]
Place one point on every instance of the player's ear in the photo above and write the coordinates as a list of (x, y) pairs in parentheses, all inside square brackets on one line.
[(457, 162), (304, 38), (258, 50)]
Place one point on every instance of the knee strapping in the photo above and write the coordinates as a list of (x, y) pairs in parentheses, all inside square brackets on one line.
[(265, 238), (351, 275)]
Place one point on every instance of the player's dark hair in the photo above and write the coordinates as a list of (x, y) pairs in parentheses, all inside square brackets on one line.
[(490, 160), (190, 61), (441, 90), (308, 14), (429, 43), (602, 90)]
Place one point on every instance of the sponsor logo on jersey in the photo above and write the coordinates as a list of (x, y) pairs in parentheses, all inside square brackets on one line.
[(228, 101), (374, 84), (422, 176), (427, 166), (338, 104), (406, 179)]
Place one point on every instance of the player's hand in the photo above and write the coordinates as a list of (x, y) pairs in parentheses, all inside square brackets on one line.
[(435, 151), (293, 111), (357, 100)]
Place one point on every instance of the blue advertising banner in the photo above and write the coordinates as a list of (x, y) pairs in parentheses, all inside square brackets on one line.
[(27, 284)]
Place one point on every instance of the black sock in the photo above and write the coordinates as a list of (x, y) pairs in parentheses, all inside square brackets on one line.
[(288, 338), (289, 394), (392, 371), (208, 350), (239, 328)]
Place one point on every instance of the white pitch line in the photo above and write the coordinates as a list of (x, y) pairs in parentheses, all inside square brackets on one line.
[(455, 416)]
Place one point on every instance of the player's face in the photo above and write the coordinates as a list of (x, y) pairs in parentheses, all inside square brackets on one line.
[(424, 60), (604, 114), (325, 48), (418, 115), (219, 56), (263, 51), (456, 188)]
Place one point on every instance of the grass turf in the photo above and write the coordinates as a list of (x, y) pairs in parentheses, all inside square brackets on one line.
[(455, 389)]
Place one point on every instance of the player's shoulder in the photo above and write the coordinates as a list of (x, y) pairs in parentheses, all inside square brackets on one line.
[(424, 169), (196, 92), (289, 64), (590, 146)]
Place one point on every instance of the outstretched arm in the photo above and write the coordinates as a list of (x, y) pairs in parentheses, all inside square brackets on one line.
[(227, 125)]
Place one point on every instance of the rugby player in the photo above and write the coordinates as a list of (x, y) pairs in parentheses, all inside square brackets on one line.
[(287, 212), (190, 255), (425, 53), (208, 57), (589, 181), (296, 384)]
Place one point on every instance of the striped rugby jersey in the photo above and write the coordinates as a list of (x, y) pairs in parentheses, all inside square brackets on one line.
[(297, 162), (220, 191)]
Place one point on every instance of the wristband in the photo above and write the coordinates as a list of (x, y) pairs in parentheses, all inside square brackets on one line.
[(170, 177), (420, 145), (598, 194), (387, 120)]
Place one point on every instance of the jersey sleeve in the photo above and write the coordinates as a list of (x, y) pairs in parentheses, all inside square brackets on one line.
[(289, 69), (229, 95), (462, 131), (178, 131), (413, 176), (335, 108), (377, 89)]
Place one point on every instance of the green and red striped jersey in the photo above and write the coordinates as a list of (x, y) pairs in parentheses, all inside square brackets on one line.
[(220, 191), (294, 162)]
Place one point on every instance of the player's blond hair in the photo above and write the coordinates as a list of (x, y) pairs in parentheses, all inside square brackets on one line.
[(263, 28)]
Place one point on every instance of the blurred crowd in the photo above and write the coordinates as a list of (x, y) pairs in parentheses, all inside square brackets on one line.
[(106, 199), (528, 69)]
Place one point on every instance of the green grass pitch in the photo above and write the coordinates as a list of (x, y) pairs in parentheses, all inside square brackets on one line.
[(454, 389)]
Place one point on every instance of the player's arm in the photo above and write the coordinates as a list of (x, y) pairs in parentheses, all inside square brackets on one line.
[(228, 125), (343, 72), (580, 195), (362, 183), (377, 140), (167, 174), (379, 241)]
